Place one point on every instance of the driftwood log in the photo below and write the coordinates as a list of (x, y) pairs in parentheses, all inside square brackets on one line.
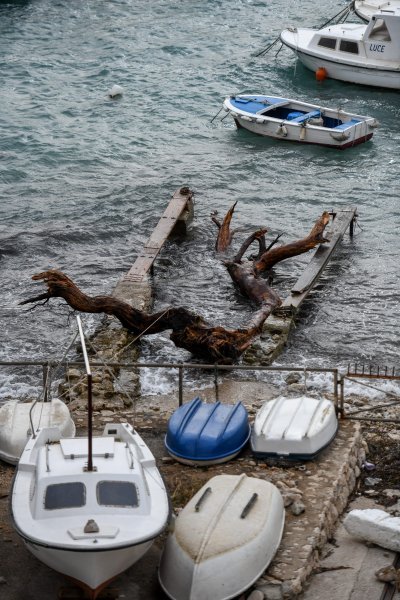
[(191, 331)]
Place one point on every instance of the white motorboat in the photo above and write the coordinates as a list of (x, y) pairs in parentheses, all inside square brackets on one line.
[(223, 540), (88, 507), (294, 428), (19, 419), (297, 121), (354, 52), (366, 9)]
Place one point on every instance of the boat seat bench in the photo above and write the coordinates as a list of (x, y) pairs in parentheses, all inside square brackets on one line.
[(306, 116), (347, 124)]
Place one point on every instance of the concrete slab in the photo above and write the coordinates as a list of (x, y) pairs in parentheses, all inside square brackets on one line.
[(347, 567)]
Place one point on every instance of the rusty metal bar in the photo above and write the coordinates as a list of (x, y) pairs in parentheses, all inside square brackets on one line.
[(180, 384), (375, 419)]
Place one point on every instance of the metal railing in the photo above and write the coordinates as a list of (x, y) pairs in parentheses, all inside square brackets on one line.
[(338, 381)]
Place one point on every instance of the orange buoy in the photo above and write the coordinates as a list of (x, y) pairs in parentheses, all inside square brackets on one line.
[(321, 74)]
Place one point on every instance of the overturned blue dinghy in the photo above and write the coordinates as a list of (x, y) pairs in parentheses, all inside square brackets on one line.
[(206, 434)]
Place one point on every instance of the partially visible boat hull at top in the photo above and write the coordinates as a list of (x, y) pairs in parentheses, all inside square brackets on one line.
[(366, 9)]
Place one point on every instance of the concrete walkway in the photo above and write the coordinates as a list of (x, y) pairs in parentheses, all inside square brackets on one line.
[(348, 566)]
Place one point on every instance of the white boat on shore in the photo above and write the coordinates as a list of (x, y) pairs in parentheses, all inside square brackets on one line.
[(366, 9), (354, 52), (88, 507), (19, 419), (297, 121), (223, 540), (293, 428)]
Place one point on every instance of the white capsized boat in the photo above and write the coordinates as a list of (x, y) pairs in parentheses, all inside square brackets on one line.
[(298, 121), (354, 52), (366, 9), (89, 507), (223, 540), (19, 419), (294, 427)]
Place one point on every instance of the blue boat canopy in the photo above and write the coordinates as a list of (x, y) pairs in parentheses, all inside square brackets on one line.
[(198, 431)]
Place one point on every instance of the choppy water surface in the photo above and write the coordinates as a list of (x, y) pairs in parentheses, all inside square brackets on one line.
[(84, 179)]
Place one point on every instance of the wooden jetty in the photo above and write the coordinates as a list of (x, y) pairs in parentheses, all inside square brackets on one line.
[(278, 325), (174, 215), (134, 287)]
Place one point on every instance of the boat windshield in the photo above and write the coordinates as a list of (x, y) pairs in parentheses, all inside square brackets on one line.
[(65, 495), (380, 31), (117, 493)]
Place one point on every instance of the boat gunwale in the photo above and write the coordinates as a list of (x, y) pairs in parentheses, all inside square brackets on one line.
[(363, 118)]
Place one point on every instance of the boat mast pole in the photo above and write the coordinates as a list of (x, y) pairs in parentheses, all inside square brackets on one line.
[(89, 384)]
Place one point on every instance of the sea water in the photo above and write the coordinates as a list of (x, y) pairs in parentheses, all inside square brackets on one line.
[(84, 178)]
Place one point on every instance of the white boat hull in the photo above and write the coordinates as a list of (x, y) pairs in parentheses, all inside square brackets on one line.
[(299, 121), (89, 525), (224, 539), (366, 9), (294, 428), (309, 134), (15, 424), (351, 73), (92, 569)]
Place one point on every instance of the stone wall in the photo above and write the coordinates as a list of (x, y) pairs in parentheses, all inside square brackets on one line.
[(325, 488)]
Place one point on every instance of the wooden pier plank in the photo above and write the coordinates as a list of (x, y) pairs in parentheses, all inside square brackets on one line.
[(282, 319), (322, 255), (160, 234)]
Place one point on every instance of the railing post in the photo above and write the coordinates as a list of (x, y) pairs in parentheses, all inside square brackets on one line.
[(46, 369), (180, 378), (216, 383), (341, 407), (335, 386)]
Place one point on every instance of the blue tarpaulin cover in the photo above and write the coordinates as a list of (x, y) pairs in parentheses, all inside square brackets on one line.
[(202, 432)]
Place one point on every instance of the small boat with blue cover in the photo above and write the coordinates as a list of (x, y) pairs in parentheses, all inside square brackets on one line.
[(297, 121), (206, 434)]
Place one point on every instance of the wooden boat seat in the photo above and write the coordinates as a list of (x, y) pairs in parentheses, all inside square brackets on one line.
[(347, 124), (306, 116)]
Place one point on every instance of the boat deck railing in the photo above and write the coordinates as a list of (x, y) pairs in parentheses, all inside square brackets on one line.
[(337, 390)]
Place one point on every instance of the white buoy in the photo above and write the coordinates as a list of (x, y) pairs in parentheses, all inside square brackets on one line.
[(115, 91)]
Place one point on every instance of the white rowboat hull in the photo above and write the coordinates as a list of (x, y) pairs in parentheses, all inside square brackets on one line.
[(224, 539), (308, 135), (15, 424), (294, 428)]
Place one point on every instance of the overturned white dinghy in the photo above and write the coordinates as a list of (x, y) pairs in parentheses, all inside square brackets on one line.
[(295, 428), (223, 540), (19, 419)]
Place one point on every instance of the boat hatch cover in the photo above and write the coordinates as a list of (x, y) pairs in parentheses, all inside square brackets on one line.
[(78, 448)]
